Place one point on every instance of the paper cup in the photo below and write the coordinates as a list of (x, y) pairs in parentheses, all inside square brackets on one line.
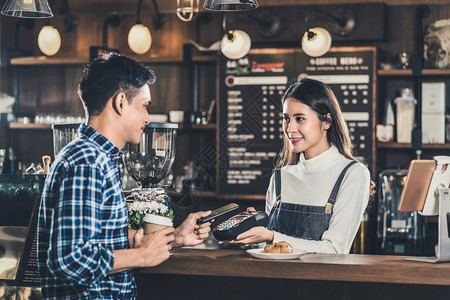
[(154, 223)]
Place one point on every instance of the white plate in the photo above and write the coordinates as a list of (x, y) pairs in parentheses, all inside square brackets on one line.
[(258, 253)]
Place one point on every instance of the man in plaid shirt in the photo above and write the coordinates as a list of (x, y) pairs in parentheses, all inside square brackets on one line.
[(85, 250)]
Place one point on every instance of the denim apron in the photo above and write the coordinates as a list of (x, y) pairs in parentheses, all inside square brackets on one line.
[(302, 221)]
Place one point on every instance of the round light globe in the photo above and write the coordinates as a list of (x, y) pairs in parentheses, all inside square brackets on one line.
[(49, 40), (139, 39), (238, 46), (319, 44)]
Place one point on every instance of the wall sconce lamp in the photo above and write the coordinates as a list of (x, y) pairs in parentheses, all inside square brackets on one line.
[(235, 44), (27, 23), (268, 22), (27, 9), (139, 37), (317, 40), (187, 10), (95, 51), (114, 21), (49, 40), (230, 5), (158, 18)]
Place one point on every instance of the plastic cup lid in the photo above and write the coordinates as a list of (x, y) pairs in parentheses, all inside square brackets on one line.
[(149, 218)]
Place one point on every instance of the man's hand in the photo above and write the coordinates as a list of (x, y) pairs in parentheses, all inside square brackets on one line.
[(146, 250), (155, 247), (189, 233)]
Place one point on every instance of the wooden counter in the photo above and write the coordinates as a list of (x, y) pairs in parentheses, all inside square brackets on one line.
[(311, 276)]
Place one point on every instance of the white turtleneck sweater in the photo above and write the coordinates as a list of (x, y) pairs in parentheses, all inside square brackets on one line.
[(310, 183)]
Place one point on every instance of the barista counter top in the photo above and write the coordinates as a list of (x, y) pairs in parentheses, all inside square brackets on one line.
[(330, 267)]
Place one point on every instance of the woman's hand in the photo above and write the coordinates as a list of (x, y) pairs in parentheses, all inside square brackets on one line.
[(254, 235)]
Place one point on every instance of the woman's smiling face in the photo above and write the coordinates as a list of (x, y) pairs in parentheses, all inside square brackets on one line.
[(302, 127)]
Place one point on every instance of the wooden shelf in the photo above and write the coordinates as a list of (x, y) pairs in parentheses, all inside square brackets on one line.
[(382, 145), (49, 126), (44, 60), (203, 127), (31, 126), (205, 194), (211, 126), (425, 72)]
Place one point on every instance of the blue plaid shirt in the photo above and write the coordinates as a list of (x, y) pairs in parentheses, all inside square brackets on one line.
[(82, 220)]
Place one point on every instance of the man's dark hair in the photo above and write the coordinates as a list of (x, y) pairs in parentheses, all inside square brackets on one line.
[(109, 75)]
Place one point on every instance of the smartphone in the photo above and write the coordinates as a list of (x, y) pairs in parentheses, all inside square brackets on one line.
[(218, 212)]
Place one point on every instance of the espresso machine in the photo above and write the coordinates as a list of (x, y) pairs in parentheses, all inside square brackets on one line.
[(399, 233), (149, 162)]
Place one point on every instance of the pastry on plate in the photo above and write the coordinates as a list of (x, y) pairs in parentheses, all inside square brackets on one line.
[(279, 248)]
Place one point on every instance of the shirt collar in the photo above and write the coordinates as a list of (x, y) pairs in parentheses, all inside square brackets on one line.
[(102, 142), (320, 161)]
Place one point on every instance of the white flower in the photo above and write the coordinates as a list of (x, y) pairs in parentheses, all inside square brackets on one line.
[(148, 207)]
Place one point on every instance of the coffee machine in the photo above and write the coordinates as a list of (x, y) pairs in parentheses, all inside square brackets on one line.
[(150, 161), (400, 233)]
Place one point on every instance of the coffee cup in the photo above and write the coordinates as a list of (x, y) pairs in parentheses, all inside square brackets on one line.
[(154, 223)]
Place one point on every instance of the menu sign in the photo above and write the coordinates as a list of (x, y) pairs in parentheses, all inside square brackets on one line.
[(250, 123), (349, 72)]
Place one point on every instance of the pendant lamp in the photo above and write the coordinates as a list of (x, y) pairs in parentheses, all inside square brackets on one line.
[(230, 5), (27, 9), (187, 10)]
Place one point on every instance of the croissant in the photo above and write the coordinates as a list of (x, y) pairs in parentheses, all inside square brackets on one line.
[(279, 248)]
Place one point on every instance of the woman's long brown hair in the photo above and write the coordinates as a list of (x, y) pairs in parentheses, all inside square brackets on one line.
[(322, 100)]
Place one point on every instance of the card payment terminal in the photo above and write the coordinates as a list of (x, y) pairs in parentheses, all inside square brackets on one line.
[(231, 228)]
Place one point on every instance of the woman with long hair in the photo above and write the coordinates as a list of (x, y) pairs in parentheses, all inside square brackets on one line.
[(319, 191)]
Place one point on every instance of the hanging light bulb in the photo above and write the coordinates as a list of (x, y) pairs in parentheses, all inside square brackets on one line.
[(27, 9), (139, 39), (49, 40), (316, 41), (235, 44), (187, 10)]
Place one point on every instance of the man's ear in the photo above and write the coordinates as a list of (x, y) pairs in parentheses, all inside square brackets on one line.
[(118, 102)]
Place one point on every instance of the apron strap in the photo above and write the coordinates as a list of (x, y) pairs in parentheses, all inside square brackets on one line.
[(278, 184), (337, 185)]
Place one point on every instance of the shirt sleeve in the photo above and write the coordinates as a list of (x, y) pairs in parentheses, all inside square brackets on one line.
[(348, 211), (74, 254), (271, 194)]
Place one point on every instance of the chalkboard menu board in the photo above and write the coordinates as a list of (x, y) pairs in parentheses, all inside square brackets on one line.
[(250, 132), (350, 73), (250, 124)]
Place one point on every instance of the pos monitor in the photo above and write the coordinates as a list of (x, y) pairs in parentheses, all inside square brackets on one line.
[(427, 191)]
